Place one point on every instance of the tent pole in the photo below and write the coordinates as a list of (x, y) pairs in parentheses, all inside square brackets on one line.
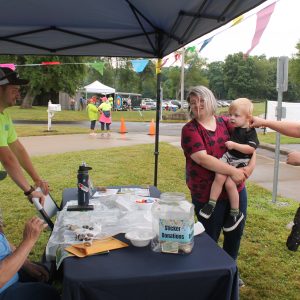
[(158, 104)]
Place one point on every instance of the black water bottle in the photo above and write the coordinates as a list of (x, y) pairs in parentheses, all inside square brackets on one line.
[(83, 185)]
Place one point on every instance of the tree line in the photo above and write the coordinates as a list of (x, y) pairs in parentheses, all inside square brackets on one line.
[(253, 77)]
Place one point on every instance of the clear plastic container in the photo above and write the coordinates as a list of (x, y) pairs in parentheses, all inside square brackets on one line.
[(173, 224)]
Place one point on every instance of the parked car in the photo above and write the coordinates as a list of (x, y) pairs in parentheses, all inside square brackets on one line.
[(178, 103), (148, 104), (168, 105), (223, 103)]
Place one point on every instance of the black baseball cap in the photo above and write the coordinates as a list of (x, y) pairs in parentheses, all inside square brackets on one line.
[(8, 76)]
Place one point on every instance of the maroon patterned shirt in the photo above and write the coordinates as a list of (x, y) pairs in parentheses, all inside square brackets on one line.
[(194, 138)]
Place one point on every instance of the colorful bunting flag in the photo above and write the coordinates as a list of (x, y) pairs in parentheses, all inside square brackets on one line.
[(164, 61), (98, 66), (263, 18), (191, 49), (205, 43), (177, 56), (139, 64), (46, 63), (11, 66), (237, 20)]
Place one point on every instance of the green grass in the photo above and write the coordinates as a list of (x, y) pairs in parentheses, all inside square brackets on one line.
[(39, 113), (270, 138), (40, 130), (258, 109), (268, 268)]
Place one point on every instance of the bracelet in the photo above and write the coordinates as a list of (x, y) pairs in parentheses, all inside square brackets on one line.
[(29, 191)]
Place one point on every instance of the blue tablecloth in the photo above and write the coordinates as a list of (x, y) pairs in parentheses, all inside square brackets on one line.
[(141, 274)]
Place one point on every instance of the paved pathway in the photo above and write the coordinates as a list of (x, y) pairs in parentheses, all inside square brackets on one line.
[(289, 176)]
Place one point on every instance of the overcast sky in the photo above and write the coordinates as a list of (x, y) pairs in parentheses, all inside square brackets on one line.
[(279, 38)]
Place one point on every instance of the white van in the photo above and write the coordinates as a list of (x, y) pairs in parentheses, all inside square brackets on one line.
[(148, 104)]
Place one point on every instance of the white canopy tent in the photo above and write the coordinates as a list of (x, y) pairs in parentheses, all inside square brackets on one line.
[(97, 87)]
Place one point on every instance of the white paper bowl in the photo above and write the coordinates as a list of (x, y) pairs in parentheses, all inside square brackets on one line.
[(145, 203), (139, 238)]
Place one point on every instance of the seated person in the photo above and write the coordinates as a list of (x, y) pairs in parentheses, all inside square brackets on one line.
[(19, 278)]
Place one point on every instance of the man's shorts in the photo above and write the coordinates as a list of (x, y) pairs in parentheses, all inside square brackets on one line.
[(234, 161)]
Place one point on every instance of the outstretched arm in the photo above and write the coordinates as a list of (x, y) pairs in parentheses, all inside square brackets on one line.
[(20, 152), (13, 168), (285, 127)]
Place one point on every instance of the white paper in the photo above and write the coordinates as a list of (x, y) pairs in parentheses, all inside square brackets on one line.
[(198, 228), (106, 193)]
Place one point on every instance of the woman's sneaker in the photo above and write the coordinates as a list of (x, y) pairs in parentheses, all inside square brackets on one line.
[(293, 240), (207, 211), (241, 283), (232, 222)]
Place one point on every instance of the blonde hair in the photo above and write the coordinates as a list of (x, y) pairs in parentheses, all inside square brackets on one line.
[(243, 104), (202, 92)]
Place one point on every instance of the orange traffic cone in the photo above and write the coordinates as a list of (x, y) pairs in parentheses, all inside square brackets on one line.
[(122, 127), (152, 128)]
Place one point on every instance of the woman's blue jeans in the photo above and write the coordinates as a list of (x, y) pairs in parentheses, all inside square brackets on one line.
[(214, 224), (29, 289)]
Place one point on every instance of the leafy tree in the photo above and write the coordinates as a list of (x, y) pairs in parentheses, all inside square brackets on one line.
[(237, 75), (249, 77), (294, 75), (194, 71), (215, 76), (147, 81), (128, 79), (171, 82), (49, 80), (53, 79)]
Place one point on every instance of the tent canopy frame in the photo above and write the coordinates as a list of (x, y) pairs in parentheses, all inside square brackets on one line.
[(113, 28)]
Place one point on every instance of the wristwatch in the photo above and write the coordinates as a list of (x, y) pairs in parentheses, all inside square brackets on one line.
[(29, 191)]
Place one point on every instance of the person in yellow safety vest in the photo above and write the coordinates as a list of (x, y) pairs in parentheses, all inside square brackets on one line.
[(111, 101), (93, 114)]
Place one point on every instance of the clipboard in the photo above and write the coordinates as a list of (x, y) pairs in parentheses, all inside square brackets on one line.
[(49, 210)]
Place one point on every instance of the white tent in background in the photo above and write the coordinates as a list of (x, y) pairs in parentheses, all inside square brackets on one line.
[(99, 88)]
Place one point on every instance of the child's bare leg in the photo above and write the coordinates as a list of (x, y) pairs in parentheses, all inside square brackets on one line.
[(233, 194), (215, 192), (217, 186)]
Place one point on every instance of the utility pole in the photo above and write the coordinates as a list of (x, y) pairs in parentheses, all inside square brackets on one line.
[(182, 77), (281, 86)]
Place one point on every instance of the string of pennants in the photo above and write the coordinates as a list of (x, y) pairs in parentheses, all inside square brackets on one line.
[(263, 18)]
